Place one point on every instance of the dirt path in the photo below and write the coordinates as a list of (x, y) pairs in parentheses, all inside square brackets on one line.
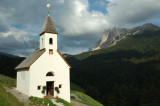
[(74, 103), (58, 104), (21, 97)]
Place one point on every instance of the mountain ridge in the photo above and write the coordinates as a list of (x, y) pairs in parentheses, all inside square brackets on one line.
[(8, 55), (113, 35)]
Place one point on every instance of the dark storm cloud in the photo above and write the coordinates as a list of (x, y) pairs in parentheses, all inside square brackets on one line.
[(79, 29), (3, 28)]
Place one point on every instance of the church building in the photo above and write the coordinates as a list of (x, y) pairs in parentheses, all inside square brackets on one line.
[(45, 67)]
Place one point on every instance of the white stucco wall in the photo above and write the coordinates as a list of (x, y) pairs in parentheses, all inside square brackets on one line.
[(50, 63), (23, 80)]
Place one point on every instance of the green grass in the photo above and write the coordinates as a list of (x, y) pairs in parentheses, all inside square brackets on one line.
[(7, 81), (75, 87), (6, 99), (40, 101), (85, 99), (65, 103)]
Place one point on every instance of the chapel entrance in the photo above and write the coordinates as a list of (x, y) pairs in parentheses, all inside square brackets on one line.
[(50, 88)]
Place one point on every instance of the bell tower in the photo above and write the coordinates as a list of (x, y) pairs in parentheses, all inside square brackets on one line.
[(48, 35)]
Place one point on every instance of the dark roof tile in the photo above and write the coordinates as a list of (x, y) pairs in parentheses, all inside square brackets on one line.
[(30, 59), (48, 27)]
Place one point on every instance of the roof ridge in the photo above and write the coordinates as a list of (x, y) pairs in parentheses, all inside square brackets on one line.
[(26, 63), (64, 59)]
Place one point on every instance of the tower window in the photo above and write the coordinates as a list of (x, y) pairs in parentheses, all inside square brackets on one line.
[(42, 41), (50, 51), (50, 41)]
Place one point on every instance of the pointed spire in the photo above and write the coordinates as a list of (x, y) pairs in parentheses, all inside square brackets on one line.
[(48, 26)]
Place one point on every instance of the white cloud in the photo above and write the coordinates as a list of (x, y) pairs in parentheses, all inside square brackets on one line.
[(122, 12), (73, 18), (17, 42), (75, 22), (19, 35)]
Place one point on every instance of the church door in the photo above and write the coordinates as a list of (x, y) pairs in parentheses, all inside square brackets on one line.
[(50, 88)]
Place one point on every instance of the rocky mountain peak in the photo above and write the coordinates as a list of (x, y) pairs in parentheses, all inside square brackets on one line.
[(109, 36), (113, 35)]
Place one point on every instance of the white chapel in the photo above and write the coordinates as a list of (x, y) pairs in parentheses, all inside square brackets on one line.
[(45, 67)]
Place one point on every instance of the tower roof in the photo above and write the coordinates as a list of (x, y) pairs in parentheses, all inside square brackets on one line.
[(48, 27)]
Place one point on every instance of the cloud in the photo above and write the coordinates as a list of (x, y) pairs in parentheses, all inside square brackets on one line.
[(15, 41), (122, 12), (73, 18), (79, 27), (100, 3)]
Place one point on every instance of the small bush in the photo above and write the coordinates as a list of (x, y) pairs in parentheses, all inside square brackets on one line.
[(57, 90), (43, 90)]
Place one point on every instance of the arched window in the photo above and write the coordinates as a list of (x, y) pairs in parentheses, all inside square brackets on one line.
[(50, 74), (50, 41)]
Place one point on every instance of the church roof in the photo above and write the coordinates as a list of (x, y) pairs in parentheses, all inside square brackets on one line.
[(64, 59), (25, 64), (48, 27)]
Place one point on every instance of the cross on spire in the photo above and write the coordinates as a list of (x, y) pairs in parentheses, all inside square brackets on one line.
[(48, 6)]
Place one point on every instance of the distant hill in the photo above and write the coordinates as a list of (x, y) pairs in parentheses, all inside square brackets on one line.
[(7, 64), (8, 55), (127, 73), (111, 36)]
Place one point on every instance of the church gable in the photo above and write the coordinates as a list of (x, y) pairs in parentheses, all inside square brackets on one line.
[(64, 59), (30, 59)]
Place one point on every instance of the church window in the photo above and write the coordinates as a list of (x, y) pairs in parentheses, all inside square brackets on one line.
[(60, 86), (50, 51), (50, 74), (50, 41), (39, 87)]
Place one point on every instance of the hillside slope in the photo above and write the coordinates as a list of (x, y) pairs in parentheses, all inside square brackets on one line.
[(7, 64), (125, 74), (8, 99)]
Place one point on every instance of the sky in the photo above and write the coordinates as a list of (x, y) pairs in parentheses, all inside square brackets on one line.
[(80, 23)]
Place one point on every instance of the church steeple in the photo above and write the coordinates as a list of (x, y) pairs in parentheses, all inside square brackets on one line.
[(48, 26), (48, 35)]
